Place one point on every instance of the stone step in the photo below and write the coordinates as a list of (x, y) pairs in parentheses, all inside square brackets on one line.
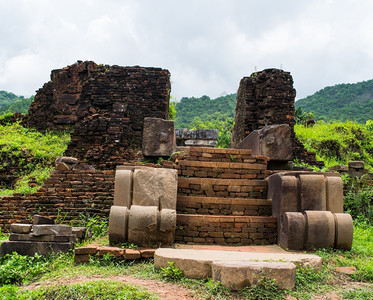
[(230, 188), (217, 155), (225, 230), (224, 206), (199, 263), (231, 170)]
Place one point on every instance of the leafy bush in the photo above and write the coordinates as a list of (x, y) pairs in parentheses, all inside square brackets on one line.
[(96, 225), (358, 200)]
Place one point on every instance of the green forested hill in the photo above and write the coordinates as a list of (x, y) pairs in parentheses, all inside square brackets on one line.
[(190, 110), (12, 103), (342, 102)]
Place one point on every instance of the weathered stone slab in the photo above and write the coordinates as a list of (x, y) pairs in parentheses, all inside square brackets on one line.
[(356, 165), (293, 230), (143, 225), (312, 192), (320, 229), (334, 194), (41, 238), (80, 232), (273, 141), (158, 137), (46, 229), (240, 274), (31, 248), (20, 228), (67, 160), (118, 224), (155, 187), (344, 231), (197, 263), (123, 188), (38, 220)]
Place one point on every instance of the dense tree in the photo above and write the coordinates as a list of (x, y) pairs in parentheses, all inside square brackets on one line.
[(342, 102), (10, 103)]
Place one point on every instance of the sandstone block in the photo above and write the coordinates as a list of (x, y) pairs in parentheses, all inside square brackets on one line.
[(143, 225), (20, 228), (343, 231), (46, 229), (158, 137), (320, 229), (41, 238), (118, 224), (31, 248), (240, 274), (82, 258), (67, 160), (334, 194), (80, 232), (293, 230), (312, 192), (155, 187), (356, 165), (38, 219), (273, 141), (123, 188)]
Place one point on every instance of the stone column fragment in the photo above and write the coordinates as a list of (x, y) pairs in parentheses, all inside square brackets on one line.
[(123, 188), (320, 229), (293, 230), (344, 231), (143, 225), (118, 224)]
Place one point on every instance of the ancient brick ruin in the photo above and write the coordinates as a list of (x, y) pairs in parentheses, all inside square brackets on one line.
[(267, 98), (104, 107)]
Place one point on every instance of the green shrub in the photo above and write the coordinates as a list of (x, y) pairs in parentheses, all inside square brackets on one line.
[(16, 269), (171, 272)]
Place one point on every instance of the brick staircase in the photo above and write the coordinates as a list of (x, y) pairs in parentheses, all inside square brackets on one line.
[(222, 198)]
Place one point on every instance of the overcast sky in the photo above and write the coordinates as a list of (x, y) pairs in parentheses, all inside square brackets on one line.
[(207, 45)]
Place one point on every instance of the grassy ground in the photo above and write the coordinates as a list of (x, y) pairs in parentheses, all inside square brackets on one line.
[(29, 155), (30, 278)]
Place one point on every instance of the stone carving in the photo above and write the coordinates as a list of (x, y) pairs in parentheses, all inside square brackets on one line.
[(199, 137), (273, 141), (319, 196), (159, 137), (148, 218)]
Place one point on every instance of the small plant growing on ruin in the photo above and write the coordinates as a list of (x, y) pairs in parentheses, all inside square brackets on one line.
[(171, 272)]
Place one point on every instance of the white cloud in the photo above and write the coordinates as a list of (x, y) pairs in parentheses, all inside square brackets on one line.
[(208, 46)]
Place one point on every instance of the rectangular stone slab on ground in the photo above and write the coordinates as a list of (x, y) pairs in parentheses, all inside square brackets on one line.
[(197, 263), (31, 248), (51, 230)]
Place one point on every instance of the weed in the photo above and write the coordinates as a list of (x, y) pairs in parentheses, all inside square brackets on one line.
[(96, 225), (171, 272)]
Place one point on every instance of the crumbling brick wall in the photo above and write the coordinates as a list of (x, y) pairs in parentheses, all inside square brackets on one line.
[(267, 98), (104, 107)]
